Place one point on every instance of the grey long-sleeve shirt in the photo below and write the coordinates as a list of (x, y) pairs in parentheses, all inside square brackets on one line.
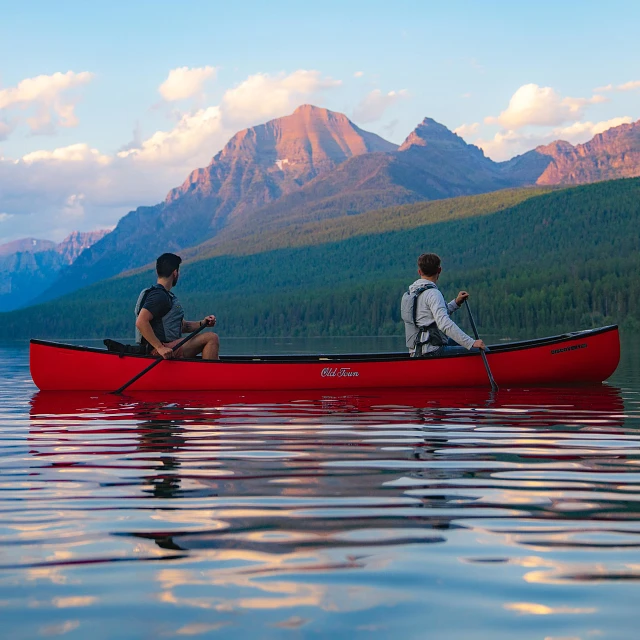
[(433, 308)]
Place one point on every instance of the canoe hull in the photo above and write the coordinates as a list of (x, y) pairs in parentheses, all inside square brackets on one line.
[(586, 357)]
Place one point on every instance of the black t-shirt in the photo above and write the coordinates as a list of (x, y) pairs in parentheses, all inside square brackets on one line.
[(157, 302), (166, 311)]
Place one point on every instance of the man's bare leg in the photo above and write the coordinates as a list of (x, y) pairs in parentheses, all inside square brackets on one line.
[(211, 350), (206, 343)]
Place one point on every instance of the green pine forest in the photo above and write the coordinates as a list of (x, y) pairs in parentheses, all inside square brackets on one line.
[(535, 261)]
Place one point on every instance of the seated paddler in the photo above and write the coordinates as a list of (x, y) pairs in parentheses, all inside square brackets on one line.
[(160, 319), (429, 329)]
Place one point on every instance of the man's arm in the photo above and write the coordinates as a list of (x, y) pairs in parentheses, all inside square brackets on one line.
[(188, 326), (441, 315), (457, 302), (143, 324)]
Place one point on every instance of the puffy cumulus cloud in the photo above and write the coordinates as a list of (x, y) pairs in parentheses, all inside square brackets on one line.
[(603, 89), (77, 187), (507, 144), (580, 132), (374, 104), (262, 96), (601, 127), (358, 74), (184, 83), (467, 130), (74, 206), (532, 105), (193, 134), (73, 153), (45, 99), (629, 86)]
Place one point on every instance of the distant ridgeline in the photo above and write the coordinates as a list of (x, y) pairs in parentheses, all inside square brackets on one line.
[(534, 260)]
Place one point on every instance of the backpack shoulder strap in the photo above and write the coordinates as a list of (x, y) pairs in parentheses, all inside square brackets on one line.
[(417, 294)]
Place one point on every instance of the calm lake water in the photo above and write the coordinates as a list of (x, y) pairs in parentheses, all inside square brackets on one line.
[(403, 514)]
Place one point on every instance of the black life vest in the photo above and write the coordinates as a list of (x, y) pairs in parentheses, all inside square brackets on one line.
[(413, 332)]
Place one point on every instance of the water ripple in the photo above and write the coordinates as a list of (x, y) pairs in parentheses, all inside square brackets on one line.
[(214, 513)]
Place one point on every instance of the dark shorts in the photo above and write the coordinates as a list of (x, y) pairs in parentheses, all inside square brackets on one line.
[(173, 343)]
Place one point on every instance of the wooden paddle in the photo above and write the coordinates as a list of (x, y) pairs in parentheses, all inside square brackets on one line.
[(159, 360), (494, 386)]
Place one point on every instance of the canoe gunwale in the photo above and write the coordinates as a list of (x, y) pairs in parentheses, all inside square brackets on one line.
[(506, 347)]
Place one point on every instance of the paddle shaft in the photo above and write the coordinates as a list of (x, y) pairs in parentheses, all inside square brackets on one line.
[(494, 386), (159, 360)]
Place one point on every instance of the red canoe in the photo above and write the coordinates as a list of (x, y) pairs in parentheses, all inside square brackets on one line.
[(583, 357)]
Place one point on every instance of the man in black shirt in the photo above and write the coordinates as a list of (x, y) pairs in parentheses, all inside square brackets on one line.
[(160, 319)]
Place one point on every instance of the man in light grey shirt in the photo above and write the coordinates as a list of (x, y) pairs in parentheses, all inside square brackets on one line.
[(429, 328)]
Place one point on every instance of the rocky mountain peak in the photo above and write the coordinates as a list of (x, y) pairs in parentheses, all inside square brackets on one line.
[(310, 109), (280, 156), (430, 133), (556, 147), (614, 153), (76, 242)]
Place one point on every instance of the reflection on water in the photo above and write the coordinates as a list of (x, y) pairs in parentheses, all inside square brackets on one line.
[(468, 514)]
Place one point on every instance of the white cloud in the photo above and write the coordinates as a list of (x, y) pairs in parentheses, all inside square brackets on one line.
[(580, 132), (604, 89), (184, 83), (5, 216), (601, 127), (195, 132), (532, 105), (358, 74), (74, 206), (48, 99), (506, 144), (629, 86), (374, 104), (77, 188), (73, 153), (467, 130), (264, 96)]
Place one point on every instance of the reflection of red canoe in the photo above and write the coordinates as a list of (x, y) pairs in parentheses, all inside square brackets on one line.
[(537, 406), (584, 357)]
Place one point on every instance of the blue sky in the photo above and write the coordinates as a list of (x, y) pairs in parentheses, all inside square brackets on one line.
[(506, 75)]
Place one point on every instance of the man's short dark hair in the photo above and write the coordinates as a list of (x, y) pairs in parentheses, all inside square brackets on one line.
[(429, 263), (167, 263)]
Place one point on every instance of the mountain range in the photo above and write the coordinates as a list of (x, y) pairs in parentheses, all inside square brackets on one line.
[(29, 266), (316, 164)]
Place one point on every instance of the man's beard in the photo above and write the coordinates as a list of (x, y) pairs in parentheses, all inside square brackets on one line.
[(175, 281)]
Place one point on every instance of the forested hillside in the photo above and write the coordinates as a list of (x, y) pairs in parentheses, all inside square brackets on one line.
[(559, 261), (299, 233)]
